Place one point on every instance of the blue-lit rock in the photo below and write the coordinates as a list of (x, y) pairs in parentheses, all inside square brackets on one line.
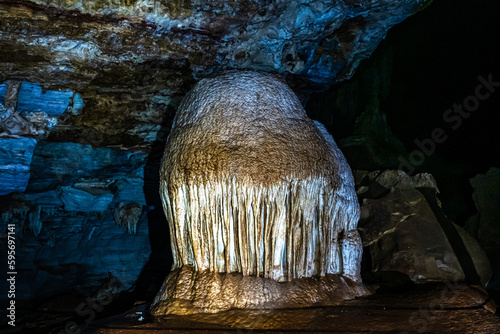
[(74, 253), (32, 98), (49, 199), (57, 164), (26, 110), (83, 201), (15, 159), (131, 189), (3, 90), (69, 239)]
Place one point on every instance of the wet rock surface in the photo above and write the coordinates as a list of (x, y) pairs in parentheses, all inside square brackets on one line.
[(435, 308)]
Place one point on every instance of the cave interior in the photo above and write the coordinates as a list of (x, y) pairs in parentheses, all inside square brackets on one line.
[(409, 90)]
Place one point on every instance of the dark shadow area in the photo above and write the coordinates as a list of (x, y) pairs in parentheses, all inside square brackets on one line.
[(160, 261), (133, 303), (426, 65)]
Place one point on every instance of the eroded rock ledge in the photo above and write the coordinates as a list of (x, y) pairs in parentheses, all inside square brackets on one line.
[(77, 42), (130, 61)]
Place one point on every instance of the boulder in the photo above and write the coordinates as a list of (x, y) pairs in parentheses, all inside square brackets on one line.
[(404, 231)]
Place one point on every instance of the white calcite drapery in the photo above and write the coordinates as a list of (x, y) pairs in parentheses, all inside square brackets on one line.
[(251, 185)]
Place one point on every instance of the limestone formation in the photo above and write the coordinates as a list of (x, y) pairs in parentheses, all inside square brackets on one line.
[(407, 232), (127, 214), (256, 194)]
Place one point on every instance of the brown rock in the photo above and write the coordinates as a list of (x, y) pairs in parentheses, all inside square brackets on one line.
[(405, 235)]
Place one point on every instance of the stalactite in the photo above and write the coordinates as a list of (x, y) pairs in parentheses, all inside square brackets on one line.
[(127, 214)]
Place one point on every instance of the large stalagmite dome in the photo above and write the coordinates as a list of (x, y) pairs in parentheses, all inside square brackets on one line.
[(250, 126), (251, 185)]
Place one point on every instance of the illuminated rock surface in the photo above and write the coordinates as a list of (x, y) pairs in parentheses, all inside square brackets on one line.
[(252, 186), (89, 90), (70, 42), (15, 160)]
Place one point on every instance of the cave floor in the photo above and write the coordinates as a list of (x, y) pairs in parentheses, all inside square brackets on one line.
[(435, 308), (430, 308)]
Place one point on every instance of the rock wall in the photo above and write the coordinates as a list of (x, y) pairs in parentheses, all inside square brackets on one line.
[(67, 238)]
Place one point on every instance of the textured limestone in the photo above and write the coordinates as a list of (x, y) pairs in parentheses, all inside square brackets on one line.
[(127, 214), (26, 110), (130, 61), (67, 238), (318, 41), (404, 234), (80, 200), (191, 291), (60, 251), (251, 185), (56, 164)]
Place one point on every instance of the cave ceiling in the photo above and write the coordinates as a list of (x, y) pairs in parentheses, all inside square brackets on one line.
[(131, 61)]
